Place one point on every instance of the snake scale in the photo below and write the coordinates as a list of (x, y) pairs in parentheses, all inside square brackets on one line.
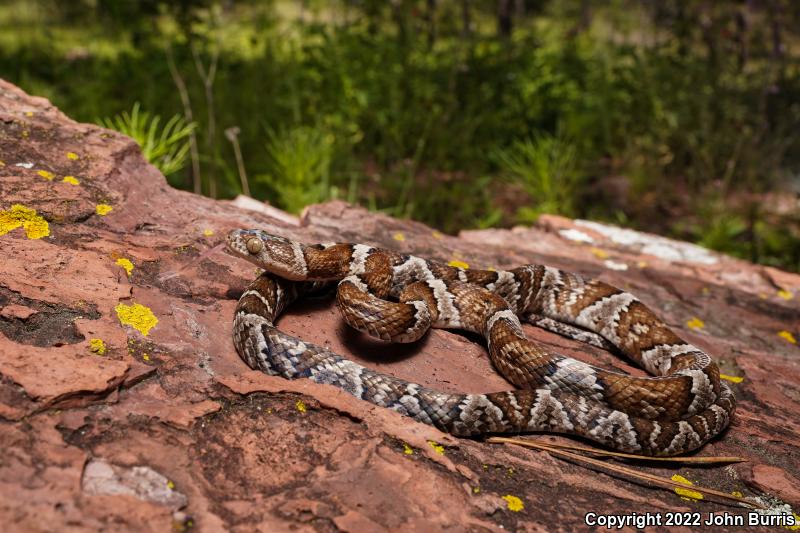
[(398, 297)]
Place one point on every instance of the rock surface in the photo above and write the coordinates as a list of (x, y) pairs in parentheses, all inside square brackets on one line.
[(117, 372)]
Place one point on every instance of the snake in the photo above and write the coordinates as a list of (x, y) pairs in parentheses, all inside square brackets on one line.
[(397, 297)]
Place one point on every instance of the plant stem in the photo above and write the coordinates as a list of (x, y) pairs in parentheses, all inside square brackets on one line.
[(187, 112)]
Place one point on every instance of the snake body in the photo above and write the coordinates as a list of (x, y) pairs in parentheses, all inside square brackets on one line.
[(398, 297)]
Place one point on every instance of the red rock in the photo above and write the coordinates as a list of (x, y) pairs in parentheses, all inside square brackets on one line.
[(16, 311), (180, 404), (777, 481)]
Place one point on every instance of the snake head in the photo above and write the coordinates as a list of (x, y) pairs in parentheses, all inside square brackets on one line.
[(273, 253)]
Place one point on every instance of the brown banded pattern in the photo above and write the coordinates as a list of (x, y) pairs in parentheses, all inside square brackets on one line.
[(399, 297)]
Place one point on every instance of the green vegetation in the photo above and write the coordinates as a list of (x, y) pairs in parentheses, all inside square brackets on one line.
[(678, 116), (167, 150)]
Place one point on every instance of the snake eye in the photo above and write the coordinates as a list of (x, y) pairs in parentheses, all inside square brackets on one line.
[(254, 245)]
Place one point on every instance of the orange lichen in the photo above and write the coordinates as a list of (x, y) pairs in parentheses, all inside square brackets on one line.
[(514, 503), (34, 225), (97, 346), (786, 295), (695, 323), (126, 264), (138, 316), (686, 494), (732, 379), (438, 448)]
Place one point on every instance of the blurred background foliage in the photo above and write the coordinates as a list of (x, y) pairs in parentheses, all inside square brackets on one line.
[(674, 116)]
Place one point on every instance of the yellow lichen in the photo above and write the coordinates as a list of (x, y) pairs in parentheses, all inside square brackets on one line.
[(2, 164), (642, 264), (695, 323), (138, 316), (46, 174), (34, 225), (126, 264), (71, 180), (458, 264), (208, 232), (28, 113), (103, 209), (598, 253), (170, 485), (514, 503), (732, 379), (97, 346), (436, 235), (145, 357), (438, 448), (788, 336), (476, 490), (786, 295), (300, 406), (72, 156), (399, 236), (737, 494), (686, 494), (408, 450), (705, 291)]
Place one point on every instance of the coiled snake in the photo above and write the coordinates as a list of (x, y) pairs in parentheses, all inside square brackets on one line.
[(398, 297)]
